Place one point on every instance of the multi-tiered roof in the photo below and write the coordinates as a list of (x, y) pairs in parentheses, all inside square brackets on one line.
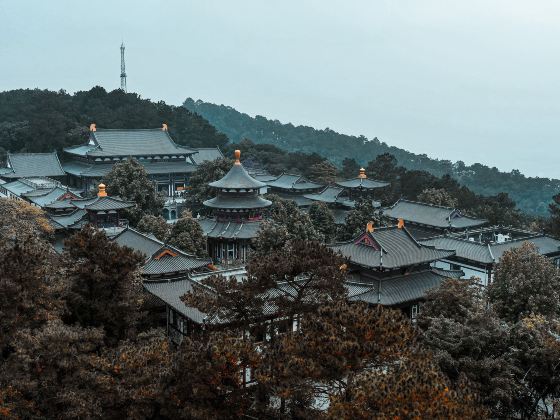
[(237, 207), (238, 194)]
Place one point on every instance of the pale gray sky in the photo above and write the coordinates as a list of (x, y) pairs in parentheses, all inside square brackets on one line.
[(463, 80)]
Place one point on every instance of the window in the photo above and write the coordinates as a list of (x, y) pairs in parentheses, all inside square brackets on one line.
[(231, 250), (414, 312)]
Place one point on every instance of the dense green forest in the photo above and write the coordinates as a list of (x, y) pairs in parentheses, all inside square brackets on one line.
[(532, 195), (34, 120)]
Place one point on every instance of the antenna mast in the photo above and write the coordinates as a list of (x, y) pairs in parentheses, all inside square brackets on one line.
[(123, 71)]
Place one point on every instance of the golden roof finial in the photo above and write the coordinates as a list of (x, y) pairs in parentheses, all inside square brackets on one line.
[(101, 191), (237, 155), (369, 227), (362, 174), (400, 225), (164, 127), (92, 127)]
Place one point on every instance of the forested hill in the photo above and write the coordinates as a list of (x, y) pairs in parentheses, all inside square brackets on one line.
[(532, 195), (42, 120)]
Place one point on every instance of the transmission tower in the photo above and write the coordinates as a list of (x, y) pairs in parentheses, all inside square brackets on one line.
[(123, 71)]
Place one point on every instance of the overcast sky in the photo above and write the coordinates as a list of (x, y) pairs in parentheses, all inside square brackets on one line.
[(473, 80)]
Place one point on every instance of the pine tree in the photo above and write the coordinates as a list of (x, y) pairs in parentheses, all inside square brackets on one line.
[(129, 181), (156, 225), (323, 220), (187, 235), (525, 283), (104, 284)]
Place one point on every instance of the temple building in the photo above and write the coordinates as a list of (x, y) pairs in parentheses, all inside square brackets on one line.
[(101, 211), (162, 262), (38, 191), (428, 220), (387, 266), (167, 163), (236, 214), (342, 197), (32, 165), (293, 187), (182, 320), (478, 251)]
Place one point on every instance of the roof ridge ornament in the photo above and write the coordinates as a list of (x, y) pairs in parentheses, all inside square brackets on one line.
[(362, 174), (237, 155), (164, 127), (92, 127), (102, 192), (369, 227)]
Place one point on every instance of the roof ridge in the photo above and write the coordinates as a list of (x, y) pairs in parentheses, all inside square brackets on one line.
[(428, 204), (141, 234), (31, 153), (127, 129)]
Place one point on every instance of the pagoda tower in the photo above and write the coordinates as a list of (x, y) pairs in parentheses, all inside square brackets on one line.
[(236, 214)]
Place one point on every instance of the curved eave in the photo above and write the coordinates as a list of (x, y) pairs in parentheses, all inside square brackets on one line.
[(238, 203)]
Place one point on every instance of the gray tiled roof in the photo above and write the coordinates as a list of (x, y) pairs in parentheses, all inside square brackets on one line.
[(331, 195), (362, 183), (395, 248), (24, 165), (18, 187), (129, 142), (237, 178), (60, 204), (45, 197), (69, 221), (171, 292), (431, 215), (293, 182), (133, 239), (215, 229), (206, 154), (99, 170), (103, 203), (299, 199), (489, 253), (169, 264), (237, 201), (149, 246), (398, 290)]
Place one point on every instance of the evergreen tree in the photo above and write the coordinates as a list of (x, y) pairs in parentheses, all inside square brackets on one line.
[(28, 271), (438, 197), (156, 225), (323, 172), (286, 220), (187, 235), (323, 220), (357, 219), (129, 181), (554, 210), (350, 168), (104, 284), (525, 283)]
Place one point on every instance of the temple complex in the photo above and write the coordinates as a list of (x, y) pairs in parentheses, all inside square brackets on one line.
[(236, 214)]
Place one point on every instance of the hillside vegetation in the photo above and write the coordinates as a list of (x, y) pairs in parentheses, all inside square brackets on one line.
[(34, 120), (532, 195)]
